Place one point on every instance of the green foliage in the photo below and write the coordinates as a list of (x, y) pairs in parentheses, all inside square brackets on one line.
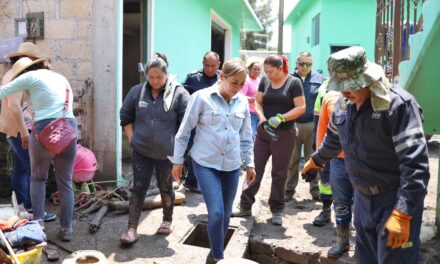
[(254, 40)]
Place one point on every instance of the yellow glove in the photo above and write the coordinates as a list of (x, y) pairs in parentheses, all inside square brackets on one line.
[(398, 229), (310, 165)]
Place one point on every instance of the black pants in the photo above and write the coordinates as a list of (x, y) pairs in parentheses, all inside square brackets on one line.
[(142, 172)]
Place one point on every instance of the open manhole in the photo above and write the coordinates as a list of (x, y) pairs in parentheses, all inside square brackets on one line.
[(198, 236)]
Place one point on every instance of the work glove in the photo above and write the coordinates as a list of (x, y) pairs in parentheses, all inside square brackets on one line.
[(269, 130), (276, 121), (398, 229), (310, 170)]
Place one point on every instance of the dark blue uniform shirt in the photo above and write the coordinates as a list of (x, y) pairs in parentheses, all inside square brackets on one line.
[(310, 85), (198, 80)]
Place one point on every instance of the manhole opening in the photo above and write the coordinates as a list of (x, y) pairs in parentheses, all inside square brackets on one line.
[(199, 236)]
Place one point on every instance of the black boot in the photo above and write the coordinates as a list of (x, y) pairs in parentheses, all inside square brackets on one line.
[(324, 217), (342, 242)]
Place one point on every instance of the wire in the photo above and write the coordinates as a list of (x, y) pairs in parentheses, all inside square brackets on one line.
[(27, 4)]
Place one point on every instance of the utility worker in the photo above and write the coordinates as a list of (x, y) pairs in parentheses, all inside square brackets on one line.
[(340, 188), (380, 130), (325, 190)]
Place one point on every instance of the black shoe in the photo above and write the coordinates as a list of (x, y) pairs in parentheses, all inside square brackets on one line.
[(323, 218), (194, 189), (288, 195)]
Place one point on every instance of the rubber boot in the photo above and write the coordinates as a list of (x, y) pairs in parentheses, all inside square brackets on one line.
[(324, 217), (342, 242)]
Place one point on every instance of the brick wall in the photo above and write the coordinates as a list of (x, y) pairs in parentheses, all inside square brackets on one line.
[(67, 36)]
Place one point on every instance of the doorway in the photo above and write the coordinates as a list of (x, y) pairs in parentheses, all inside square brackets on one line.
[(221, 37), (218, 41), (132, 55)]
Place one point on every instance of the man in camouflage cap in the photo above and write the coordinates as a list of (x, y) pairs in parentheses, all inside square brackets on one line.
[(379, 128)]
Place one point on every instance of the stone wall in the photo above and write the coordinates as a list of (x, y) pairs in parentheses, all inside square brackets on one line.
[(67, 38)]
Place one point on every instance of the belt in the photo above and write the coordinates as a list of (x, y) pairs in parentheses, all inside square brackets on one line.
[(372, 190)]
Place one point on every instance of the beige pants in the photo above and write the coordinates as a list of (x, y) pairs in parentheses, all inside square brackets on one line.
[(304, 139)]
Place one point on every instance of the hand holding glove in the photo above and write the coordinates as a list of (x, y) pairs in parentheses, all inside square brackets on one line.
[(398, 229), (310, 170), (276, 121), (270, 131)]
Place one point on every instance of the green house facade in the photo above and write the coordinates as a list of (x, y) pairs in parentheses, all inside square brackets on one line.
[(185, 30), (325, 26)]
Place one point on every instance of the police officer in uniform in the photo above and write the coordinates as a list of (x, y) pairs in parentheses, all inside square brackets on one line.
[(379, 128), (196, 81)]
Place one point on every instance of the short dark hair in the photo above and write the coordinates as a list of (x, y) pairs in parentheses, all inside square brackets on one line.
[(304, 54), (217, 57)]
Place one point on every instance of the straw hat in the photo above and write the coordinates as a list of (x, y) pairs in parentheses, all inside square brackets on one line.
[(27, 49), (24, 63)]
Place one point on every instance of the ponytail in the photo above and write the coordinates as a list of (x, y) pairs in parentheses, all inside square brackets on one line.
[(285, 64)]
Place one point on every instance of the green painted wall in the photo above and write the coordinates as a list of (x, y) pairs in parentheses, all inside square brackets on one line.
[(343, 23), (182, 30), (301, 33)]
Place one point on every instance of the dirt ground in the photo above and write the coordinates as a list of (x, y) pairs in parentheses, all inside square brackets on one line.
[(298, 241)]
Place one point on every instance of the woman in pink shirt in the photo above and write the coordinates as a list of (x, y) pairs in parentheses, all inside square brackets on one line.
[(250, 91)]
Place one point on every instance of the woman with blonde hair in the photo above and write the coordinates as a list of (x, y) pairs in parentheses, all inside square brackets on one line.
[(220, 115)]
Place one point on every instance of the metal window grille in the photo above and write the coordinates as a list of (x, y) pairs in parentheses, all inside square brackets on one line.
[(315, 29)]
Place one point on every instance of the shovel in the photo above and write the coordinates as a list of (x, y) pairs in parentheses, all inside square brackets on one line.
[(11, 251)]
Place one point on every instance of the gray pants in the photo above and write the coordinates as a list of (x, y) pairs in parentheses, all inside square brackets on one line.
[(41, 159), (304, 138)]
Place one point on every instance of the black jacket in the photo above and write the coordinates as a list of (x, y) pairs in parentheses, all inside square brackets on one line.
[(154, 128)]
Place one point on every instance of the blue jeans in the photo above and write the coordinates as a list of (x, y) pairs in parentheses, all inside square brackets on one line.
[(254, 124), (218, 189), (41, 158), (21, 173), (342, 191)]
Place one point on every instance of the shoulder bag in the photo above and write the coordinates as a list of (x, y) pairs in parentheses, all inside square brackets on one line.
[(58, 134)]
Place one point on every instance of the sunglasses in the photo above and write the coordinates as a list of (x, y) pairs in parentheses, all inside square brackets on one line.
[(305, 64)]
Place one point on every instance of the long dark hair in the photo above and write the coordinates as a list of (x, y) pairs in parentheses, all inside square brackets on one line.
[(159, 60), (278, 61)]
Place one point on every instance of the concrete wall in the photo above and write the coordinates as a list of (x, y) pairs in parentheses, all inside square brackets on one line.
[(82, 45), (182, 30), (343, 23), (302, 31), (67, 34), (106, 40)]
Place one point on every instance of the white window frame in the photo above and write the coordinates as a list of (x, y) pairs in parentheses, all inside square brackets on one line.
[(150, 29), (216, 18)]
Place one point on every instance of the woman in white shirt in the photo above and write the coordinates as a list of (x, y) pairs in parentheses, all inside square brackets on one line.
[(220, 115)]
